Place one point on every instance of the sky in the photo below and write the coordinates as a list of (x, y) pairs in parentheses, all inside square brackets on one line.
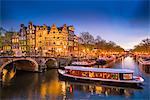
[(126, 22)]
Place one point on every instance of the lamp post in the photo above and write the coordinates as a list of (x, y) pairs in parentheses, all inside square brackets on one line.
[(1, 52), (36, 50)]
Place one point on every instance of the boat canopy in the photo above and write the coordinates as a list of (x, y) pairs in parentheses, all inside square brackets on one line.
[(109, 70)]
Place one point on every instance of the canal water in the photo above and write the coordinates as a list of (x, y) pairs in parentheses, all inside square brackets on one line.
[(27, 85)]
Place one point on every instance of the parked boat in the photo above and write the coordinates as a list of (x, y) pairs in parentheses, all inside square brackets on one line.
[(83, 63), (105, 60), (144, 61), (100, 74), (101, 62)]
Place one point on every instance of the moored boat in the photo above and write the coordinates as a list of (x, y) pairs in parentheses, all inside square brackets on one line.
[(101, 74), (144, 61), (83, 63)]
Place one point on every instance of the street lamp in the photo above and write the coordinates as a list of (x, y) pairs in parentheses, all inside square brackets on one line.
[(36, 50), (1, 52)]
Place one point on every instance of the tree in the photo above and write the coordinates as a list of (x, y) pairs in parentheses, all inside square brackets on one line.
[(98, 39), (86, 38), (144, 46)]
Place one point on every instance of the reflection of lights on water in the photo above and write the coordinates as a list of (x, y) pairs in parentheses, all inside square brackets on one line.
[(127, 93), (106, 93), (71, 90), (7, 76), (53, 88), (43, 90), (4, 74), (98, 89), (63, 88), (129, 63), (122, 62)]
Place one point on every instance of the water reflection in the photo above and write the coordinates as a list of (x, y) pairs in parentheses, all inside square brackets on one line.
[(8, 74), (26, 85), (99, 90)]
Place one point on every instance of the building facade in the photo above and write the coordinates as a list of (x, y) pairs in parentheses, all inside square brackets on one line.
[(31, 39), (44, 40), (41, 34), (7, 43), (15, 45), (23, 38)]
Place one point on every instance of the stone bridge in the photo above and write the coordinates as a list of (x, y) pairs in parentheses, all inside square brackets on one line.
[(35, 64), (23, 63)]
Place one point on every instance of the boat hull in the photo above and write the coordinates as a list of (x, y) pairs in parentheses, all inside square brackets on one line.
[(100, 83)]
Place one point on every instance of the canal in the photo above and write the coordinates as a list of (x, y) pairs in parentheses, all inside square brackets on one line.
[(47, 85)]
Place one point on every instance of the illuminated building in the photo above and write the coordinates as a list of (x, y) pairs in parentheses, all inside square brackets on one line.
[(15, 43), (60, 40), (31, 39), (41, 34), (23, 38), (44, 40)]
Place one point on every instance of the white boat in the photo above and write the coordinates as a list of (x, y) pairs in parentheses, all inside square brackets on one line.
[(100, 74), (83, 63), (145, 61)]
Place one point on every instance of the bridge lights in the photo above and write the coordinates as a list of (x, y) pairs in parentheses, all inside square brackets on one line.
[(1, 52)]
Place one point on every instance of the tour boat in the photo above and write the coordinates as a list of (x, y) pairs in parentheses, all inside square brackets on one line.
[(100, 74)]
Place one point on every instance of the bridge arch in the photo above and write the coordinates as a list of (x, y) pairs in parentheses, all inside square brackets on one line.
[(51, 62), (33, 62)]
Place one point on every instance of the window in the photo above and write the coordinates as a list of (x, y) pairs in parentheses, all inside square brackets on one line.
[(53, 42), (127, 76), (85, 74), (40, 35), (57, 37), (54, 32)]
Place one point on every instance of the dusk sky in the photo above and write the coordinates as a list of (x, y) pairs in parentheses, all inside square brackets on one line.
[(125, 22)]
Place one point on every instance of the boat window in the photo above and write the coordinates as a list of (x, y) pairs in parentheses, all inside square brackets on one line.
[(103, 75), (114, 76), (127, 76), (91, 74), (85, 74), (98, 75)]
